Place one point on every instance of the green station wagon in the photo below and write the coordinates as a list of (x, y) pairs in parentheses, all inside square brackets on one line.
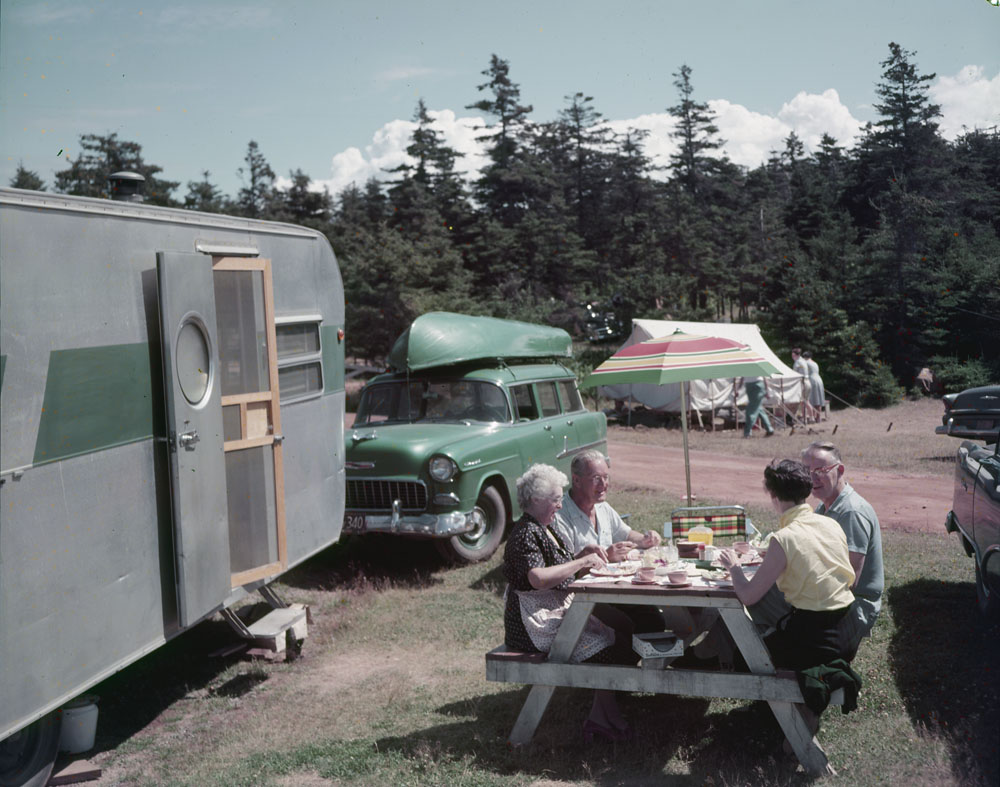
[(468, 405)]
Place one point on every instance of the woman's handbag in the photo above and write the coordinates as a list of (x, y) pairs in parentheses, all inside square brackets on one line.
[(542, 612)]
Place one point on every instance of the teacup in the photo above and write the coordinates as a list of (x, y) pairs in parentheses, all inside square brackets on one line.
[(742, 547), (646, 573), (677, 577), (711, 553)]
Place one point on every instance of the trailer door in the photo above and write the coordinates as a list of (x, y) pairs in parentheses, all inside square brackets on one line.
[(191, 373)]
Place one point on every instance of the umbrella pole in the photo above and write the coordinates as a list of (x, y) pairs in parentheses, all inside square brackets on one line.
[(684, 430)]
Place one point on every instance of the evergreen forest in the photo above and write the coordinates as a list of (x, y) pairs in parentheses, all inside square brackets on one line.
[(881, 259)]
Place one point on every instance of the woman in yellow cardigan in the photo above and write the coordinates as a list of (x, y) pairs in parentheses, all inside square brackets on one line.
[(808, 560)]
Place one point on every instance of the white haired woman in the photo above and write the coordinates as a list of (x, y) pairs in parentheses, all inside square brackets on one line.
[(538, 567)]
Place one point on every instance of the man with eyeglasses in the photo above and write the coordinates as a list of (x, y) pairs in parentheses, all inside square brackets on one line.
[(586, 519), (860, 524)]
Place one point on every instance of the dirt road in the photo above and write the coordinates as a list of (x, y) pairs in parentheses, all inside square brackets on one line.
[(916, 504)]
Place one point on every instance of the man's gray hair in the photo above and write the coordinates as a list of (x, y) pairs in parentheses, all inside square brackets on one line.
[(830, 448), (580, 461), (539, 482)]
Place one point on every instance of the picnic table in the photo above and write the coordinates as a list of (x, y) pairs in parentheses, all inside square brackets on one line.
[(707, 602)]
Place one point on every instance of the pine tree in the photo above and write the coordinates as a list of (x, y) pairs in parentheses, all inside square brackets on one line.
[(27, 179), (696, 134), (501, 187), (256, 199), (203, 195), (99, 157)]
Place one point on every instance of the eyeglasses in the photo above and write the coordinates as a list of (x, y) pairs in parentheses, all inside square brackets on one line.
[(598, 479), (823, 470)]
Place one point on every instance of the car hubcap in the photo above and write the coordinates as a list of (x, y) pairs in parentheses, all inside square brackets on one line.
[(479, 526)]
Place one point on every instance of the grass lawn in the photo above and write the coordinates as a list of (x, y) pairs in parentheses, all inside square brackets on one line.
[(390, 689)]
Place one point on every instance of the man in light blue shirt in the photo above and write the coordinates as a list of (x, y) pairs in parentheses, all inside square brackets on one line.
[(860, 524), (587, 519)]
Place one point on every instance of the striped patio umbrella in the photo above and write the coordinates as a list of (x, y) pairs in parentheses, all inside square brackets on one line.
[(680, 358)]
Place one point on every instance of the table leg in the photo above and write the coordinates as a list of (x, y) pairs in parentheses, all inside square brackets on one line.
[(788, 714), (570, 630), (562, 648), (531, 714)]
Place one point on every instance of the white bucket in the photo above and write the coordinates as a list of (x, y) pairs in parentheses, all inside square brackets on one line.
[(79, 724)]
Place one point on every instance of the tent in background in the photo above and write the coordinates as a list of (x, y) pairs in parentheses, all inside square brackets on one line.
[(706, 395)]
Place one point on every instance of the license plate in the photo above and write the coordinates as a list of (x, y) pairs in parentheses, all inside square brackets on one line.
[(354, 523)]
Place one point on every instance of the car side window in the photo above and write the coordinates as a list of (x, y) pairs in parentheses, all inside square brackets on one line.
[(570, 396), (524, 402), (548, 398), (380, 401)]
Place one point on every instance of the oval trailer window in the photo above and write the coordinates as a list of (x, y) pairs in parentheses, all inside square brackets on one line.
[(192, 362)]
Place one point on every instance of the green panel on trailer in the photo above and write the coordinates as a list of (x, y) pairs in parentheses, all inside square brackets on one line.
[(96, 398), (333, 359)]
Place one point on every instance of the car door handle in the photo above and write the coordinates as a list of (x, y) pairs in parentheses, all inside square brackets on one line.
[(188, 439), (569, 423), (547, 427)]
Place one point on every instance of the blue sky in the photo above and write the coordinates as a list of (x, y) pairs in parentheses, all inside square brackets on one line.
[(330, 87)]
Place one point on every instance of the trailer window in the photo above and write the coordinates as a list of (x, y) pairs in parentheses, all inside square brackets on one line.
[(297, 339), (300, 380), (300, 360)]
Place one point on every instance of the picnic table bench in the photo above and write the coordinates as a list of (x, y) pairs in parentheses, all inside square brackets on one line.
[(546, 672)]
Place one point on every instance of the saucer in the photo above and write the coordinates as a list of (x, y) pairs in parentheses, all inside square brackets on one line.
[(678, 584), (637, 581)]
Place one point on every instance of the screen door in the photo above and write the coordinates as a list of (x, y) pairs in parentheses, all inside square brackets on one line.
[(248, 382)]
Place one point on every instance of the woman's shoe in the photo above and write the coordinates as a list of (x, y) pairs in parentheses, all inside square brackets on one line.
[(592, 728)]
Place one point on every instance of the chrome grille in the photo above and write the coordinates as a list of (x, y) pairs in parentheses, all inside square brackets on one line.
[(375, 495)]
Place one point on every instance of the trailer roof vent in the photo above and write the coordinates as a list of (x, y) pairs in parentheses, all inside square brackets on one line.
[(126, 186)]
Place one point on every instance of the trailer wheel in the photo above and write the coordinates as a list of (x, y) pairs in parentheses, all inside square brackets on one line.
[(480, 543), (27, 756)]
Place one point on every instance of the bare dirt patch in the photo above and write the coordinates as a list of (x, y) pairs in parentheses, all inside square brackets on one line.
[(903, 502)]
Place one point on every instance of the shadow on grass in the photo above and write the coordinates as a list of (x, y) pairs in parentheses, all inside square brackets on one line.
[(373, 561), (132, 699), (946, 663), (677, 742), (493, 581)]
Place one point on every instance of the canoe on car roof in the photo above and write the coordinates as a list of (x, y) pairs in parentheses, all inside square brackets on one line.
[(445, 339)]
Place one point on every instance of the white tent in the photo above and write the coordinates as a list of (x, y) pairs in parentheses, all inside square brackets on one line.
[(785, 387)]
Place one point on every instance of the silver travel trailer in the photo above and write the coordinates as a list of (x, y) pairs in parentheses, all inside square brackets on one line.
[(150, 472)]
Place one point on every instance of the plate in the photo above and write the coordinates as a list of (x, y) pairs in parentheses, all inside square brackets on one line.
[(611, 570), (637, 581), (677, 584)]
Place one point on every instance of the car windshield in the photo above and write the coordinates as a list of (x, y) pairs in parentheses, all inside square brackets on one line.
[(425, 401)]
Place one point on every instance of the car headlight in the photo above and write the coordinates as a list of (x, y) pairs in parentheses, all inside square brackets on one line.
[(442, 468)]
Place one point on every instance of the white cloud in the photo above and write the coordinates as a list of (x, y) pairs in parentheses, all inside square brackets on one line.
[(968, 100), (206, 17), (388, 150), (811, 116), (404, 73), (52, 13), (751, 136)]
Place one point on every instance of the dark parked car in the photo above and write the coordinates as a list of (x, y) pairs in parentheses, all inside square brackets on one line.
[(973, 414), (975, 513)]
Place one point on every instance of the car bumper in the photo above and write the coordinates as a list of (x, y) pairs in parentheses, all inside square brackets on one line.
[(446, 525)]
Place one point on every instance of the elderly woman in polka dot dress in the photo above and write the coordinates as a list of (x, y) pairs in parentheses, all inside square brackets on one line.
[(538, 567)]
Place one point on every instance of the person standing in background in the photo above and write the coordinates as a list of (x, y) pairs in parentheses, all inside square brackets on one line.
[(817, 397), (756, 392), (799, 366)]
